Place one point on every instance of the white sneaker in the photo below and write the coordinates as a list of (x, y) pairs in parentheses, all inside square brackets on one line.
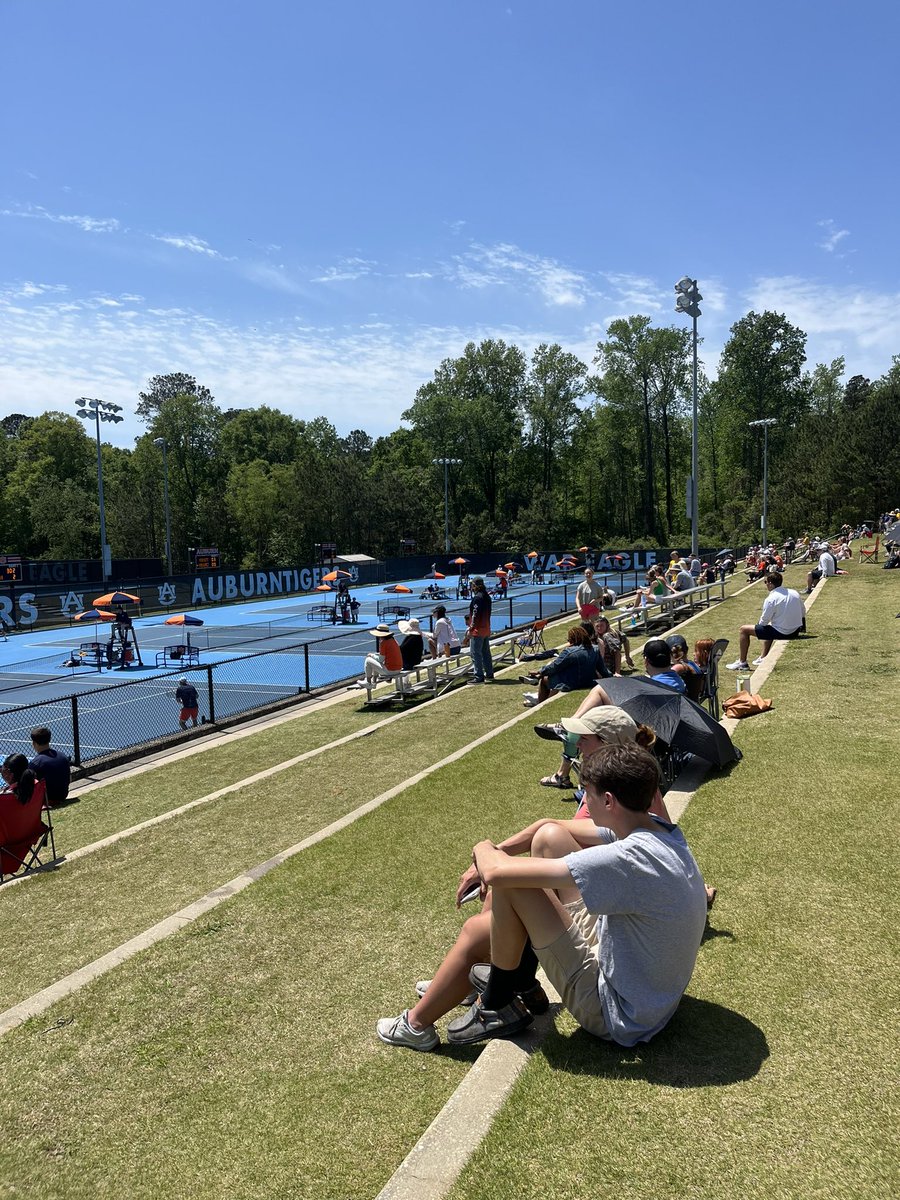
[(530, 699), (758, 662), (397, 1031), (737, 665)]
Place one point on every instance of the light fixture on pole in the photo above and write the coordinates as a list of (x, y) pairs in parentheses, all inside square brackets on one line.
[(687, 301), (446, 463), (765, 422), (164, 446), (97, 411)]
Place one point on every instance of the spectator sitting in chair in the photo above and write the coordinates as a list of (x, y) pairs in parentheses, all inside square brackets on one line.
[(657, 665), (782, 617), (690, 671), (576, 667), (683, 580), (50, 765), (893, 559), (612, 646), (826, 569), (445, 640), (386, 656), (412, 648), (707, 573)]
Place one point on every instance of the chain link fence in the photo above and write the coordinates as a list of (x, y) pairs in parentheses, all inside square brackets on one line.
[(103, 722)]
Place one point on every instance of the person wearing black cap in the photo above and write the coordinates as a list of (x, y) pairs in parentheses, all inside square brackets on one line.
[(186, 695), (658, 664)]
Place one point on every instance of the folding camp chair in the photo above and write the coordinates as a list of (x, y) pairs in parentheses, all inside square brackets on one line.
[(869, 553), (709, 694), (532, 640), (26, 832)]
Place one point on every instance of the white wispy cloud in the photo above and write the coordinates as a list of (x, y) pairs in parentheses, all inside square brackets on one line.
[(637, 291), (347, 268), (862, 324), (832, 236), (506, 265), (88, 224), (361, 376), (27, 288), (189, 241)]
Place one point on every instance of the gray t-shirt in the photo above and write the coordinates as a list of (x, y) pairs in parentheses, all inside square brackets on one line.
[(650, 896)]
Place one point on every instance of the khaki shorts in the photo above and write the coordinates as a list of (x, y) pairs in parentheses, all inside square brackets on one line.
[(584, 922), (572, 967)]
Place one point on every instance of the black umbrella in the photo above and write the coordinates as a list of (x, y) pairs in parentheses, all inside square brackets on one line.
[(724, 553), (678, 721)]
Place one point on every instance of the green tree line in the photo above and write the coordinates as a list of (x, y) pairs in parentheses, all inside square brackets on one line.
[(552, 452)]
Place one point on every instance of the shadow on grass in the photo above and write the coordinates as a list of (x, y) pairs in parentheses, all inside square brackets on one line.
[(704, 1045), (710, 933), (67, 803)]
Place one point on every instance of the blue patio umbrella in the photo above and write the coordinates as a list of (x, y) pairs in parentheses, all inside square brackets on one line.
[(185, 619)]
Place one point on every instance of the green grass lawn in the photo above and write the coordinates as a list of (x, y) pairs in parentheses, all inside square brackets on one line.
[(239, 1058)]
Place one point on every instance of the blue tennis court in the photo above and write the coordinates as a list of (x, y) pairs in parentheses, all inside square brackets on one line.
[(250, 655)]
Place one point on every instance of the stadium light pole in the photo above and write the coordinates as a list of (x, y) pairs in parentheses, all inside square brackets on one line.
[(446, 463), (164, 446), (97, 411), (687, 301), (765, 423)]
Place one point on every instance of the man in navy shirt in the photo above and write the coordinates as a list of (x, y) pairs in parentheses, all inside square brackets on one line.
[(51, 766)]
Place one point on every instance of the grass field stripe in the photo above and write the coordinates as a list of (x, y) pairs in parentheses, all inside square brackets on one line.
[(268, 773), (42, 1000)]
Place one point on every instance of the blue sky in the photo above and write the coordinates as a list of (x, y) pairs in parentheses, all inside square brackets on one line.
[(311, 204)]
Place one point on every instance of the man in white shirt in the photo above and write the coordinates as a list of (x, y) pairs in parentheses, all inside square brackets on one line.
[(826, 568), (782, 617)]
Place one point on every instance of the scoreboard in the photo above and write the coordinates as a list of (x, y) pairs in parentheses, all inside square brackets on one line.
[(11, 568), (206, 559)]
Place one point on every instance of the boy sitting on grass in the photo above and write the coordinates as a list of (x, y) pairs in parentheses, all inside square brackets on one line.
[(641, 882), (647, 891)]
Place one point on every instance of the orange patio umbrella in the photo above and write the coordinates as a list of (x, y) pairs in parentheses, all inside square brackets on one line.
[(117, 598), (458, 562), (399, 587), (438, 575), (323, 587), (187, 619), (583, 549), (333, 576)]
